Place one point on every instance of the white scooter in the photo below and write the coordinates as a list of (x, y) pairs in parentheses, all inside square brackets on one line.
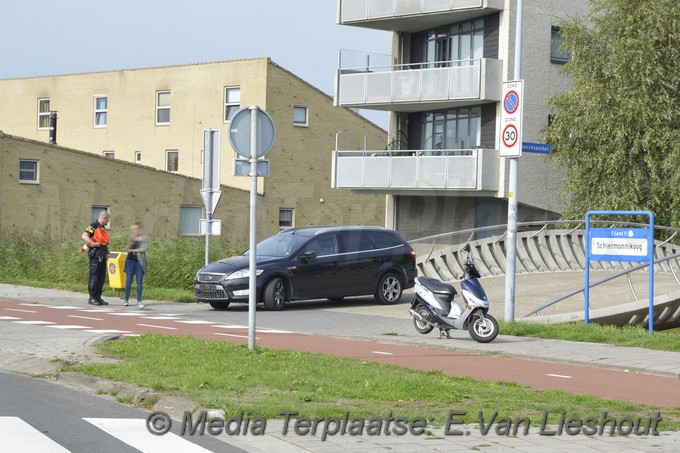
[(434, 306)]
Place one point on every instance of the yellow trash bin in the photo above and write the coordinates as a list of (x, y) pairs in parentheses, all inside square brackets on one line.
[(115, 265)]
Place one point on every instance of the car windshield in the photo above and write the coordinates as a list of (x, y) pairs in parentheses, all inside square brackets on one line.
[(279, 245)]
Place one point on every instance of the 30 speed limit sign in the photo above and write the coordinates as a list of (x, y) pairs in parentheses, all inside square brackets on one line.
[(511, 119)]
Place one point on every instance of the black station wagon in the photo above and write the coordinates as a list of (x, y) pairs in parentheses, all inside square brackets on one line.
[(311, 263)]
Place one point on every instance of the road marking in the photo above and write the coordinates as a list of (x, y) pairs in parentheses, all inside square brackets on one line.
[(20, 437), (26, 304), (274, 331), (96, 310), (20, 310), (383, 353), (157, 327), (559, 376), (160, 317), (85, 317), (197, 321), (62, 326), (127, 313), (8, 318), (229, 326), (65, 307), (133, 431), (233, 335), (107, 331), (37, 323)]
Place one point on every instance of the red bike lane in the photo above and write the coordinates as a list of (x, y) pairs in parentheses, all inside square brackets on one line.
[(638, 388)]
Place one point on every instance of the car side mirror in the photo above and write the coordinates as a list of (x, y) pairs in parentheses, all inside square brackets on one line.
[(308, 255)]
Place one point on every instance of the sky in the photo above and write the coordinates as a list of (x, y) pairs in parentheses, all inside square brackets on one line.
[(52, 37)]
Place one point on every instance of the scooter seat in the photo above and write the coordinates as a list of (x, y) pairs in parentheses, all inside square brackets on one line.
[(437, 286)]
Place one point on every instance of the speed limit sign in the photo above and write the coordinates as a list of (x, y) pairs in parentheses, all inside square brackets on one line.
[(511, 119)]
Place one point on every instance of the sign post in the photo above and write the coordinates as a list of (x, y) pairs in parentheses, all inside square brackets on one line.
[(210, 191), (620, 244), (252, 134)]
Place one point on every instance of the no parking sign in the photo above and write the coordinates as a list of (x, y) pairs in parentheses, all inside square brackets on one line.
[(511, 119)]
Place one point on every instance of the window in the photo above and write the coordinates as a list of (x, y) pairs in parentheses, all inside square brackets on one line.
[(299, 116), (162, 107), (44, 113), (286, 218), (232, 102), (172, 160), (558, 54), (94, 214), (100, 111), (323, 246), (28, 171), (110, 154), (138, 157), (190, 219), (460, 44), (452, 129)]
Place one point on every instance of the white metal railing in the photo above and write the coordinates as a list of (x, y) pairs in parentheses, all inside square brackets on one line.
[(419, 82), (462, 169), (355, 10)]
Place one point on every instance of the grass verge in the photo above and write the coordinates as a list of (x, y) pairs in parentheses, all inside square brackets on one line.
[(267, 382)]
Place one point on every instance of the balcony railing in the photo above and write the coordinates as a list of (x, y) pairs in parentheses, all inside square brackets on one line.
[(447, 82), (459, 169), (387, 11)]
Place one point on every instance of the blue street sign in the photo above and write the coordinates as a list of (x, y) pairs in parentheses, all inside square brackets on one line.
[(539, 148)]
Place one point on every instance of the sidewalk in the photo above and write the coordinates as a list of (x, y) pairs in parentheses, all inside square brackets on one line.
[(18, 346)]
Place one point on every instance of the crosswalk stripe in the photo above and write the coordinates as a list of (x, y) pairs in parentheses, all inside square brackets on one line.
[(20, 437), (133, 431)]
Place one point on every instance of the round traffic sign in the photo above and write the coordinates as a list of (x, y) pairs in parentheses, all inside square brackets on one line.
[(511, 102), (509, 136), (240, 129)]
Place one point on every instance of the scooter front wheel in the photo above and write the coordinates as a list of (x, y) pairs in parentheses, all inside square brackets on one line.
[(483, 330), (423, 326)]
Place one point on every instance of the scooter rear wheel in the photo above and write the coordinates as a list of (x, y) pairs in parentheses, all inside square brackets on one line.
[(422, 326), (483, 330)]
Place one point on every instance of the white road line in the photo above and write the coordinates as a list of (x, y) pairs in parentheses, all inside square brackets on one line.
[(383, 353), (26, 304), (96, 310), (233, 335), (7, 318), (66, 327), (274, 331), (559, 376), (37, 323), (228, 326), (108, 331), (20, 310), (85, 317), (20, 437), (133, 432), (197, 321), (157, 327), (65, 307), (160, 317), (127, 313)]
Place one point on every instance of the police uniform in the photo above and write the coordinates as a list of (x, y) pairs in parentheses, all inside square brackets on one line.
[(97, 277)]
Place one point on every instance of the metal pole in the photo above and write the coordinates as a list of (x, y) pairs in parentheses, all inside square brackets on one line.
[(511, 256), (252, 281)]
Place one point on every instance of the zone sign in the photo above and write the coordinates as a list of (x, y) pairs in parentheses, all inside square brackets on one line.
[(511, 119)]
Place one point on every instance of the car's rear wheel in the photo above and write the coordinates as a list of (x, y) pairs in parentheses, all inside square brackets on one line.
[(219, 305), (274, 295), (389, 289)]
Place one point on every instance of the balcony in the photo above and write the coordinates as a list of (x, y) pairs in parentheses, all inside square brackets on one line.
[(473, 170), (411, 15), (421, 86)]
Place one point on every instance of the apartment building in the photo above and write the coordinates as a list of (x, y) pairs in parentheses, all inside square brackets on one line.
[(442, 86), (155, 117)]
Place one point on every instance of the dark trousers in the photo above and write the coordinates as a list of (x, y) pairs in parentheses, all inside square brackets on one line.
[(95, 283)]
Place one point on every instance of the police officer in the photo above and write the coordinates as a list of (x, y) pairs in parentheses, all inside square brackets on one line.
[(98, 239)]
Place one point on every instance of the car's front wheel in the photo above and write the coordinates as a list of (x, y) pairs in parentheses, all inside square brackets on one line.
[(274, 294), (389, 289)]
